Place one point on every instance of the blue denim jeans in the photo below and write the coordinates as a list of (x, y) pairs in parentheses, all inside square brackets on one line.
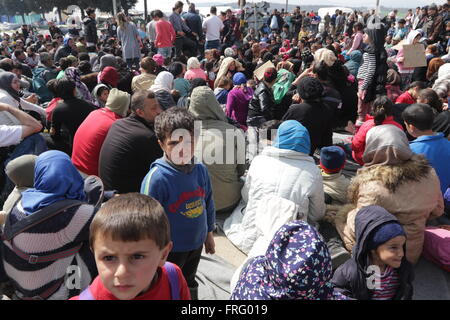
[(214, 44), (165, 52)]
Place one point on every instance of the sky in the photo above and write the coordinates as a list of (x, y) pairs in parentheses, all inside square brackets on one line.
[(155, 4)]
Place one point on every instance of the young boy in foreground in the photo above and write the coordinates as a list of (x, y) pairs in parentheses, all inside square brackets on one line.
[(130, 239)]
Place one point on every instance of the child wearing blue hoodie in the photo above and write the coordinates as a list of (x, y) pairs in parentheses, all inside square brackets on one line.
[(184, 190)]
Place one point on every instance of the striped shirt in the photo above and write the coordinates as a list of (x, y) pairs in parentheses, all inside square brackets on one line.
[(367, 70), (389, 284)]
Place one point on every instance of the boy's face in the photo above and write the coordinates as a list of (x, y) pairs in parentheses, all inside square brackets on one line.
[(127, 269), (391, 252), (104, 96), (179, 147)]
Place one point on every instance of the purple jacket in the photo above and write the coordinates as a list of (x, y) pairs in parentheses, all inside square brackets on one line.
[(237, 104)]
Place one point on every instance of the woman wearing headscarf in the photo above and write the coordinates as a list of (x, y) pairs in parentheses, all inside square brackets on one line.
[(400, 181), (295, 266), (162, 88), (193, 70), (313, 113), (293, 176), (109, 76), (10, 95), (82, 91), (372, 73), (63, 237), (333, 75), (228, 68), (406, 72), (238, 100), (226, 172)]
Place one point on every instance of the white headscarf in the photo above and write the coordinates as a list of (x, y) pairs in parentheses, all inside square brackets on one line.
[(325, 55), (411, 36), (164, 81)]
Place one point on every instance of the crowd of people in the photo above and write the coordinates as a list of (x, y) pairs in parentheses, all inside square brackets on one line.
[(96, 177)]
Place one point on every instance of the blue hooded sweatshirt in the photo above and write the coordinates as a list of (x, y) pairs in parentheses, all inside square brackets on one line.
[(436, 150), (187, 200)]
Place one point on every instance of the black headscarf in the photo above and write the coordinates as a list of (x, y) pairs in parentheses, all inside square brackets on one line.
[(5, 83)]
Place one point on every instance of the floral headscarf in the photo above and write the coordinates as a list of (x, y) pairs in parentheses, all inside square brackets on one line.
[(83, 93), (297, 265)]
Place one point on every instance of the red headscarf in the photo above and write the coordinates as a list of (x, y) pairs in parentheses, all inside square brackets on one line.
[(109, 76)]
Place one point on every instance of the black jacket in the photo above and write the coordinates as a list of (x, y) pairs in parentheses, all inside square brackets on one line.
[(317, 117), (90, 30), (129, 149), (351, 278), (262, 106)]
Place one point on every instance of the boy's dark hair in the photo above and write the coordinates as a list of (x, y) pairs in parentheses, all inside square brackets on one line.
[(224, 82), (6, 64), (270, 75), (172, 119), (138, 99), (419, 84), (90, 11), (209, 66), (432, 99), (158, 13), (176, 68), (51, 85), (85, 67), (420, 115), (269, 126), (382, 108), (131, 217), (64, 63), (84, 56), (65, 88), (213, 10), (17, 65)]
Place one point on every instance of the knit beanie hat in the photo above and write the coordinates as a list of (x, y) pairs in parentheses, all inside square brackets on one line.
[(310, 88), (239, 78), (118, 102), (159, 59), (332, 159), (109, 76), (384, 233)]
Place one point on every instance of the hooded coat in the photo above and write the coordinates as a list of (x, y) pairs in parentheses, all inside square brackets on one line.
[(403, 183), (225, 177), (292, 176), (351, 278), (90, 30), (354, 63)]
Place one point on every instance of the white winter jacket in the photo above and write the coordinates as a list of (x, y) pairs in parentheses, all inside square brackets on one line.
[(283, 173)]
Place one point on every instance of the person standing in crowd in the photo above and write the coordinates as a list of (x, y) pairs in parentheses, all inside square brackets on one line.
[(90, 28), (128, 36), (165, 35), (182, 42), (212, 26), (194, 22)]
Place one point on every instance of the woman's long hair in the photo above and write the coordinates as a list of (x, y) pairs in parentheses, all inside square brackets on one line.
[(122, 20)]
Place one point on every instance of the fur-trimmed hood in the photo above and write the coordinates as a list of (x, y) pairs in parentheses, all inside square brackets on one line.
[(391, 176)]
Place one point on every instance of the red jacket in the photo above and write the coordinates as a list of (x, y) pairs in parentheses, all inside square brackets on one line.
[(405, 97), (89, 139), (159, 291), (165, 34), (359, 139)]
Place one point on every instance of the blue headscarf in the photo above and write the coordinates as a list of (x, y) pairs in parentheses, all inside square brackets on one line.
[(297, 265), (55, 179), (66, 41), (292, 135)]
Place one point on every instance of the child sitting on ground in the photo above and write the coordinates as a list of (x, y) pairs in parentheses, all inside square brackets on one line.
[(411, 94), (378, 269), (335, 184), (221, 92), (130, 238), (183, 188)]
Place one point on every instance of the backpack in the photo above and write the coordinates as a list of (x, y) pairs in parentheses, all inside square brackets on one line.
[(9, 232), (39, 86), (174, 282)]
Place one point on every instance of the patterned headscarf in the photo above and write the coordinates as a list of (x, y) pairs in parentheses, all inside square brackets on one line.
[(297, 265), (83, 93)]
